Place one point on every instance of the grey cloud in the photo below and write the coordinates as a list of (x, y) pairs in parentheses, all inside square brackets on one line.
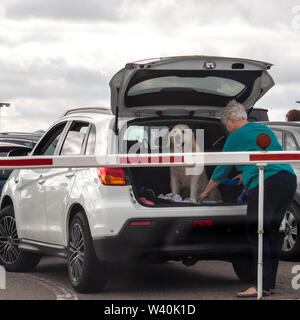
[(64, 10), (281, 97), (286, 64), (168, 16), (51, 78), (164, 15), (42, 90)]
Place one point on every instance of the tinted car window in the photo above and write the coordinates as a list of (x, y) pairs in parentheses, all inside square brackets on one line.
[(279, 136), (4, 174), (290, 144), (3, 153), (48, 144), (91, 143), (75, 138)]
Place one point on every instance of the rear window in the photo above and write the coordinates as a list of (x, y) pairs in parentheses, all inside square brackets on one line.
[(189, 87), (212, 85)]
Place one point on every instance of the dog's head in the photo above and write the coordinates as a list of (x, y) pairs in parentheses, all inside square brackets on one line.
[(182, 139)]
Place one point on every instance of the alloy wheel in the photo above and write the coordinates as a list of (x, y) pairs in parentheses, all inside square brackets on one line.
[(291, 232), (76, 254), (9, 242)]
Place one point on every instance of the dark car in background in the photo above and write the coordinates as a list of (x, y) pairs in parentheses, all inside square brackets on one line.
[(288, 134), (258, 114), (7, 150), (21, 138)]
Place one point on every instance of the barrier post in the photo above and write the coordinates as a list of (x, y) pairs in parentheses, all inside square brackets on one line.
[(260, 230)]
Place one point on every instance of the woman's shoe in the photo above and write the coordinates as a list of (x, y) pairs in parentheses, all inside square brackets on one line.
[(252, 293)]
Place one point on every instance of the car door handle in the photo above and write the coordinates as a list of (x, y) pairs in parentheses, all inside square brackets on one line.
[(17, 180), (70, 174), (41, 181)]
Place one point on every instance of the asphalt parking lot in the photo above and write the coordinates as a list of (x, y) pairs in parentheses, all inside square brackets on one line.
[(207, 280)]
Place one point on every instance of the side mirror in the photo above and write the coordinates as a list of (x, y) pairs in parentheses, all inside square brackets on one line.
[(18, 153)]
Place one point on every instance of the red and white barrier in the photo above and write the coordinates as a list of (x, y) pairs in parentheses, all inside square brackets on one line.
[(150, 160)]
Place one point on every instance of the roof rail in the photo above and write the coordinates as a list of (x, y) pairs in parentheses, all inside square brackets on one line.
[(89, 110), (22, 133), (282, 123)]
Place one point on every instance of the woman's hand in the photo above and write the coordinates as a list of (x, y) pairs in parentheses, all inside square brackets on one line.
[(202, 196), (209, 188), (240, 176)]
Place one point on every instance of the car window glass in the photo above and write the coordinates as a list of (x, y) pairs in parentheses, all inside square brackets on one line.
[(290, 144), (4, 174), (90, 147), (156, 133), (279, 136), (75, 138), (48, 144), (135, 133), (209, 84)]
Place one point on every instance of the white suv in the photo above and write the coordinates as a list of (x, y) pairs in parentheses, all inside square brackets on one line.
[(94, 216)]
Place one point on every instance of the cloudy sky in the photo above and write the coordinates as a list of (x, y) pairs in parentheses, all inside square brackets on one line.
[(60, 54)]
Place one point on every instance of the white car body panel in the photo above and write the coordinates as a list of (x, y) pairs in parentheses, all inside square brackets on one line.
[(58, 186), (28, 195)]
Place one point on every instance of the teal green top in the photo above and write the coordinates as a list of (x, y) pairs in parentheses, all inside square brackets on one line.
[(244, 139)]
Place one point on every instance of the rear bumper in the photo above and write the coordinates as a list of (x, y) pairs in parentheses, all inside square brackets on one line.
[(176, 239)]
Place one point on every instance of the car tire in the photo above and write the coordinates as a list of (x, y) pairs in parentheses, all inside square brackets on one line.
[(290, 249), (244, 268), (86, 273), (11, 257)]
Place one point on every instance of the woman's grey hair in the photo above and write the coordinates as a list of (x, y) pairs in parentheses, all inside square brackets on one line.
[(235, 111)]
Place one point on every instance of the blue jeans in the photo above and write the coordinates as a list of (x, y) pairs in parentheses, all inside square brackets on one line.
[(279, 191)]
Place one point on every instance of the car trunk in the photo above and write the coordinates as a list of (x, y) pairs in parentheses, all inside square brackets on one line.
[(151, 182), (164, 92)]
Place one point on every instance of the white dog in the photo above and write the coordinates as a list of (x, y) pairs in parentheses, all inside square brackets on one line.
[(188, 186)]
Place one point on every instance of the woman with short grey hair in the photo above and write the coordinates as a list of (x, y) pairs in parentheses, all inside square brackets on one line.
[(235, 111), (279, 189)]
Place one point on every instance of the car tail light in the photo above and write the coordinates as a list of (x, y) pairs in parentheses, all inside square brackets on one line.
[(112, 176), (203, 223), (140, 224)]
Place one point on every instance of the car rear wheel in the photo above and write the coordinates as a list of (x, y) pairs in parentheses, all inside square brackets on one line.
[(11, 257), (85, 272), (291, 241)]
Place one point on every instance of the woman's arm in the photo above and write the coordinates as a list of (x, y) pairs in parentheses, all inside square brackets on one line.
[(209, 188)]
